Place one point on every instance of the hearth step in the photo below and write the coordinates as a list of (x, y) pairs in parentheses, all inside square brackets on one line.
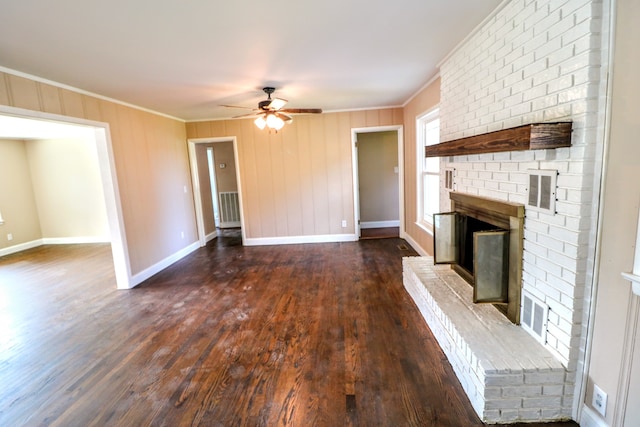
[(507, 375)]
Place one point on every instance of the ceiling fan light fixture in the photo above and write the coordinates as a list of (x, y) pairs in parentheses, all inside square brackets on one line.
[(274, 122), (260, 122)]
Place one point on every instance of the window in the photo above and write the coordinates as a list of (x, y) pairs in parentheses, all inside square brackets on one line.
[(428, 133)]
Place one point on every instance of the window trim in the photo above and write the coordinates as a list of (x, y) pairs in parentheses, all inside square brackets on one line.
[(421, 121)]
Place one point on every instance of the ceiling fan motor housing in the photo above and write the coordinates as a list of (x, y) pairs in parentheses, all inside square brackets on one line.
[(264, 105)]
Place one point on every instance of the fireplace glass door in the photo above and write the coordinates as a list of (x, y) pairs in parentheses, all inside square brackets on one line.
[(479, 252), (491, 266)]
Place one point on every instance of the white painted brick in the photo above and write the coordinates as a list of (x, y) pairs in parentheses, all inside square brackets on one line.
[(579, 30), (560, 84), (557, 113), (513, 403), (544, 378), (549, 267), (550, 242), (522, 391), (579, 61), (542, 67), (508, 416), (552, 414)]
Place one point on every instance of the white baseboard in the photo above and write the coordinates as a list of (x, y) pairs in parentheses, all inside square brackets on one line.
[(380, 224), (414, 245), (51, 241), (140, 277), (74, 240), (21, 247), (590, 418), (209, 237), (230, 224), (291, 240)]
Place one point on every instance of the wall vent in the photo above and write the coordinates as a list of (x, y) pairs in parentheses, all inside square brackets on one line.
[(542, 190), (449, 179), (534, 317)]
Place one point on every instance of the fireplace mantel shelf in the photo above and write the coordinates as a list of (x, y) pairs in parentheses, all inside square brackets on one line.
[(534, 136)]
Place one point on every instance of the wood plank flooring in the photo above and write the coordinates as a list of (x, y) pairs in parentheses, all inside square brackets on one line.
[(296, 335), (379, 233)]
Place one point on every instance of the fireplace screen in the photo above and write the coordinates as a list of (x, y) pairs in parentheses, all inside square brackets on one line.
[(479, 252)]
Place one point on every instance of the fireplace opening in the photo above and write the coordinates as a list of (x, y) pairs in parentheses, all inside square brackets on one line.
[(482, 239), (470, 226)]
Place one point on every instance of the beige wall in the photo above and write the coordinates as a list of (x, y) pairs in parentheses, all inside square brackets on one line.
[(226, 177), (17, 201), (68, 188), (615, 302), (377, 179), (151, 164), (299, 181), (426, 100)]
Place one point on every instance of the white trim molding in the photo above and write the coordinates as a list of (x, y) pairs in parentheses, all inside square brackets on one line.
[(292, 240), (589, 418)]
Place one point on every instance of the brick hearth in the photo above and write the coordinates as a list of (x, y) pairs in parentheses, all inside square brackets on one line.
[(507, 375)]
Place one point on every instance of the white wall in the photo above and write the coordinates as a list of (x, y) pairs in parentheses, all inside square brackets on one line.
[(17, 202), (615, 350), (68, 189)]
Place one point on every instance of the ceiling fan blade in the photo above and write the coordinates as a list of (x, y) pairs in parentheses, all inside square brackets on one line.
[(286, 118), (302, 110), (236, 106), (254, 114), (277, 104)]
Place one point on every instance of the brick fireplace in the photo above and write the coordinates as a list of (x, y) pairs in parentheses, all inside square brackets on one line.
[(530, 62)]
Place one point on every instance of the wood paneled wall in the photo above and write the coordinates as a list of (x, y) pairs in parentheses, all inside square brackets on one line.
[(151, 162), (426, 100), (299, 181)]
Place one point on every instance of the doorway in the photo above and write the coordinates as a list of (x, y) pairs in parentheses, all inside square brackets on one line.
[(216, 183), (25, 124), (378, 182)]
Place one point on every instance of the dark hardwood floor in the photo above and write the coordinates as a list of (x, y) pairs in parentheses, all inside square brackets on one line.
[(298, 335), (379, 233)]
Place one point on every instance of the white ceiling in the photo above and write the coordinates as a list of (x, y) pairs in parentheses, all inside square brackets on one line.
[(185, 58)]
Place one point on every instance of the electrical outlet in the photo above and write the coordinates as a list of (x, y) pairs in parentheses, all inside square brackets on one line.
[(599, 401), (344, 223), (9, 236), (182, 234)]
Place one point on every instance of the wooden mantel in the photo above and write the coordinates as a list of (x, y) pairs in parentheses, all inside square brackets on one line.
[(534, 136)]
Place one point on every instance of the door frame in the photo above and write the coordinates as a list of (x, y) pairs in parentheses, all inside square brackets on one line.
[(106, 161), (356, 189), (202, 238)]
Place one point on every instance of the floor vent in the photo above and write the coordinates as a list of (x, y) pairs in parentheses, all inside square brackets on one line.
[(229, 209), (534, 317), (403, 247)]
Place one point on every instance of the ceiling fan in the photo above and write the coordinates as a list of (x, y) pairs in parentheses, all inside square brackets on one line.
[(271, 114)]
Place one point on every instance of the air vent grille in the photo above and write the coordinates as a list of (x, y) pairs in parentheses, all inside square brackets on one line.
[(534, 317), (542, 190), (449, 179)]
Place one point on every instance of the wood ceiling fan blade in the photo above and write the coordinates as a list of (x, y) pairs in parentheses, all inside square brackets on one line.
[(302, 110), (236, 106), (286, 118), (254, 114)]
